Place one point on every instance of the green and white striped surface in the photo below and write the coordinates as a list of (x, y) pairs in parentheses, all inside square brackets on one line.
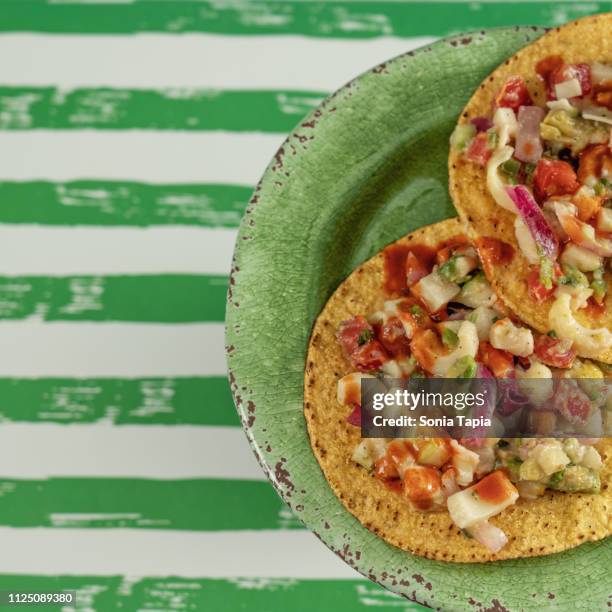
[(131, 135)]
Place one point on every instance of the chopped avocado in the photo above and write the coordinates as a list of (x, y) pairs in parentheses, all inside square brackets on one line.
[(450, 338), (562, 127), (476, 292), (577, 478), (462, 135)]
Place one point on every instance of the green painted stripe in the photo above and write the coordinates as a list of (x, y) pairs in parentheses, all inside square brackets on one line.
[(163, 298), (150, 401), (94, 202), (325, 19), (258, 594), (143, 503), (49, 108)]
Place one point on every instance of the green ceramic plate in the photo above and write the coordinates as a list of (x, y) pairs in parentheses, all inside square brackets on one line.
[(368, 166)]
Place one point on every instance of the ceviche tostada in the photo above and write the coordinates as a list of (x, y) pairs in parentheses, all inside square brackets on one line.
[(424, 308), (531, 174)]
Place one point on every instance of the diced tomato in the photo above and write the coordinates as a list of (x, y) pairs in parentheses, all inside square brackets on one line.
[(513, 94), (421, 484), (385, 468), (393, 337), (566, 72), (554, 352), (546, 67), (415, 269), (370, 356), (478, 151), (553, 70), (602, 94), (501, 363), (400, 451), (354, 333), (426, 347), (355, 417), (570, 401), (443, 255), (595, 161), (554, 178), (537, 291), (413, 316)]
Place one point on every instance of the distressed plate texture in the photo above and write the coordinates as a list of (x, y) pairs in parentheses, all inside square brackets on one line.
[(365, 168)]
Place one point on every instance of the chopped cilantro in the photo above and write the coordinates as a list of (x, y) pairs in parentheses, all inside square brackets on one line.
[(529, 170), (553, 334), (555, 479), (418, 313), (492, 139), (365, 336), (514, 462), (448, 269), (574, 277), (511, 167)]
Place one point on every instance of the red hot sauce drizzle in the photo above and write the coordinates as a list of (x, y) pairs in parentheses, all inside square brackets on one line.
[(394, 272)]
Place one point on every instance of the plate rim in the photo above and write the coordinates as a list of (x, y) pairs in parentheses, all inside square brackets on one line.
[(232, 318)]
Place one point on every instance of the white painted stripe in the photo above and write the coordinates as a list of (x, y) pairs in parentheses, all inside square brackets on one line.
[(128, 451), (121, 350), (140, 552), (59, 251), (155, 157), (192, 60)]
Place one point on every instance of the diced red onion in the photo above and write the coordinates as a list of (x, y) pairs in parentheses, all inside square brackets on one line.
[(482, 124), (485, 411), (528, 144), (483, 372), (511, 398), (490, 536), (449, 482), (535, 221), (459, 315), (355, 417)]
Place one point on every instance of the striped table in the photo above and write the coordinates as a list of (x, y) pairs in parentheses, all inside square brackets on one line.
[(132, 135)]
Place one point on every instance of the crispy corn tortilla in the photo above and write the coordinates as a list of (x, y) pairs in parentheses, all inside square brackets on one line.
[(585, 40), (553, 523)]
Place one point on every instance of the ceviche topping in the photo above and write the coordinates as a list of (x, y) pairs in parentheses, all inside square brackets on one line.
[(442, 319), (550, 163)]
